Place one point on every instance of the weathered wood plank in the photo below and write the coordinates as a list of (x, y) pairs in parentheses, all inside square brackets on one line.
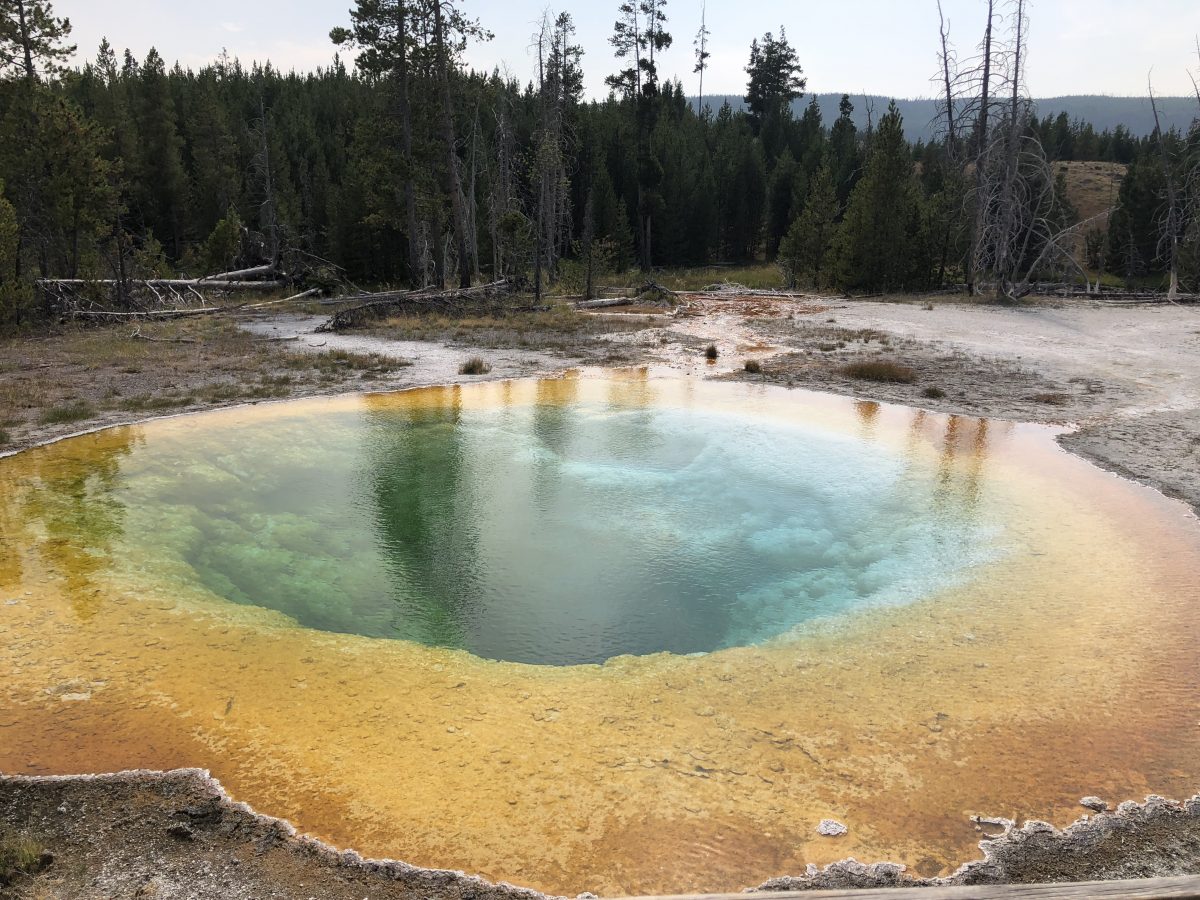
[(1186, 887)]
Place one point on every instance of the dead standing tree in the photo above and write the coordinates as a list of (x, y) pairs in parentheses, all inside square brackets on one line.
[(1171, 217), (560, 84), (1018, 227), (445, 18)]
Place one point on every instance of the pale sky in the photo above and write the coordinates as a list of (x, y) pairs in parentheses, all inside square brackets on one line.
[(853, 46)]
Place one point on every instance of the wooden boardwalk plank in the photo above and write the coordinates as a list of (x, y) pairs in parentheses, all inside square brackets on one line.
[(1186, 887)]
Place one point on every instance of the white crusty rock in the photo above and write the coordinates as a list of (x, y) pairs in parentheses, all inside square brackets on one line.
[(1093, 803), (831, 828)]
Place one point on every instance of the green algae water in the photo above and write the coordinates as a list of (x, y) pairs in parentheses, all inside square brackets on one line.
[(558, 530)]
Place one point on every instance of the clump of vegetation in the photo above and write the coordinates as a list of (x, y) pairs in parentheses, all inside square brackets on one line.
[(933, 393), (65, 413), (882, 371), (5, 438), (1051, 399), (476, 365), (711, 352), (336, 362), (753, 366), (20, 856)]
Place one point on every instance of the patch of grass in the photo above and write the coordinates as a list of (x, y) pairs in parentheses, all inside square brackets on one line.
[(561, 328), (933, 393), (20, 856), (476, 365), (753, 366), (761, 276), (881, 371), (64, 413), (153, 403), (711, 352), (332, 362), (5, 438)]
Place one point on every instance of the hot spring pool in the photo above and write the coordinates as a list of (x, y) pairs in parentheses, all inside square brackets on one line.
[(602, 633)]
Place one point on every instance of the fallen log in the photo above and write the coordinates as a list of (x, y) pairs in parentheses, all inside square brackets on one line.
[(218, 285), (311, 292), (241, 274), (112, 315), (605, 302)]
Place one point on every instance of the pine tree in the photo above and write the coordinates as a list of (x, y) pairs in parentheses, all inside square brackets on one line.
[(843, 145), (807, 248), (638, 34), (785, 184), (32, 38), (700, 45), (15, 295), (776, 79), (880, 233), (216, 180), (385, 32), (160, 185)]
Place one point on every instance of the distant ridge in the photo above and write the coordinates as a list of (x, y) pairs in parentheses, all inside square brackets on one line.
[(1104, 113)]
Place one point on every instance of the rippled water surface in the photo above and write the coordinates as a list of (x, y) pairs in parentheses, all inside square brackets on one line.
[(802, 607)]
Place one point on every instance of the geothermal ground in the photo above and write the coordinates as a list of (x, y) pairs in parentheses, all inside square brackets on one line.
[(1128, 377)]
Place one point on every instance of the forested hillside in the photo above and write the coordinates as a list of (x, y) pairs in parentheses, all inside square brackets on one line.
[(921, 115), (397, 165)]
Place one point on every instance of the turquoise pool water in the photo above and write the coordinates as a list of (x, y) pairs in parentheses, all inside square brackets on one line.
[(553, 530)]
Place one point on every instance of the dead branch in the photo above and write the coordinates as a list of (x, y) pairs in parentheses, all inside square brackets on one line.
[(137, 335), (311, 292)]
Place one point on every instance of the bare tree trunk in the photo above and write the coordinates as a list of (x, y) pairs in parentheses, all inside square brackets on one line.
[(589, 236), (1170, 227), (473, 202), (26, 42), (454, 182), (1004, 264), (268, 212), (951, 135), (981, 138), (415, 271)]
